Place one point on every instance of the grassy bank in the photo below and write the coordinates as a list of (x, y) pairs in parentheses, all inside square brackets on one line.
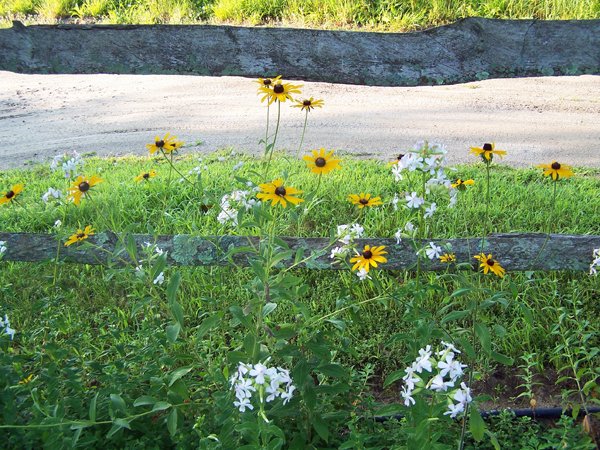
[(385, 15), (130, 361)]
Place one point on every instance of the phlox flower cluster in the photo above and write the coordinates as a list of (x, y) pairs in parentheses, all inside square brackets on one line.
[(69, 163), (52, 194), (232, 203), (437, 373), (346, 235), (595, 263), (262, 384), (429, 159), (5, 327)]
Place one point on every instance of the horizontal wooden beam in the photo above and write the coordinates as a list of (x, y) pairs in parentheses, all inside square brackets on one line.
[(515, 252), (468, 50)]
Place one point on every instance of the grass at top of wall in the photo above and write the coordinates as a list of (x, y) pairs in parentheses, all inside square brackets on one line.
[(385, 15), (521, 198)]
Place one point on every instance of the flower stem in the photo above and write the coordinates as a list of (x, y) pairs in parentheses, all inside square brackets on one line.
[(272, 149), (302, 138)]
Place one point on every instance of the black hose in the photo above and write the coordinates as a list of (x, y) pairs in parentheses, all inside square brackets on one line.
[(537, 413)]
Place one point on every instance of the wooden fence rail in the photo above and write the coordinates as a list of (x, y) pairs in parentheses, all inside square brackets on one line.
[(516, 252), (468, 50)]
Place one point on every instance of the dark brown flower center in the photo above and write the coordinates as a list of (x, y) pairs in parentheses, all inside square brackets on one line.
[(363, 201), (487, 147), (278, 89), (490, 262), (367, 254), (555, 165), (80, 235), (160, 144), (10, 194), (280, 190), (320, 162), (307, 103), (146, 176), (84, 186), (400, 156), (267, 81)]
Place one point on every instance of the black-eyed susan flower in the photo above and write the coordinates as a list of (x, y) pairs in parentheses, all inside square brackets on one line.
[(487, 152), (308, 104), (267, 82), (321, 162), (362, 200), (11, 194), (556, 170), (81, 186), (280, 92), (448, 258), (489, 264), (370, 256), (277, 193), (397, 159), (81, 235), (167, 144), (461, 184), (145, 176)]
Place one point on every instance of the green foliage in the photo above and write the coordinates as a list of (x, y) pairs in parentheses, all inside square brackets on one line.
[(392, 15)]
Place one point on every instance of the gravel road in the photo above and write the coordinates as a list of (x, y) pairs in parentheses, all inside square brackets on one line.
[(535, 119)]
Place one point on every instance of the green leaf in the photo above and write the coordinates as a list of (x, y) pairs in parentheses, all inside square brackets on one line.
[(484, 337), (460, 292), (172, 422), (238, 314), (476, 424), (144, 400), (502, 359), (172, 332), (268, 309), (393, 377), (320, 427), (493, 439), (172, 287), (390, 410), (177, 312), (123, 423), (333, 370), (285, 331), (455, 315), (208, 324), (178, 373), (118, 403), (161, 406), (92, 410), (339, 324)]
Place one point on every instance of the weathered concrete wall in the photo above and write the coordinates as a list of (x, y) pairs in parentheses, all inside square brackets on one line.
[(471, 49), (515, 252)]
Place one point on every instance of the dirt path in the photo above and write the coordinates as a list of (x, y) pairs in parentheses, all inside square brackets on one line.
[(536, 120)]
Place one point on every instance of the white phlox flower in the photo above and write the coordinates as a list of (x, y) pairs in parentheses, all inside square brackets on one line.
[(362, 274), (2, 248), (5, 327), (430, 210), (160, 279), (414, 201), (596, 262), (407, 396), (54, 193), (438, 384), (433, 251), (398, 236), (269, 383)]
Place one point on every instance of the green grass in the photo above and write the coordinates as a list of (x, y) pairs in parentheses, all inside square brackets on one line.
[(389, 15), (99, 329)]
